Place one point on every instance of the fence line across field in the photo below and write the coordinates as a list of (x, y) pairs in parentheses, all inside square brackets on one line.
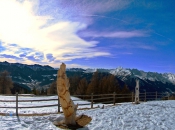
[(93, 98)]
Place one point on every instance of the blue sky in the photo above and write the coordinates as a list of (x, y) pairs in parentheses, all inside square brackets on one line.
[(89, 33)]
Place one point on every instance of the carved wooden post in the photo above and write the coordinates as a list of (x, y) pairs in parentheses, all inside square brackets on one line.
[(69, 109), (137, 92)]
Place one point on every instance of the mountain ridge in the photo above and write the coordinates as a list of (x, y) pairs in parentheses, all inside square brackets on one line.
[(41, 76)]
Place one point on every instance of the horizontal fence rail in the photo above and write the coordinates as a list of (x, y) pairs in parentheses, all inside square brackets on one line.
[(92, 99)]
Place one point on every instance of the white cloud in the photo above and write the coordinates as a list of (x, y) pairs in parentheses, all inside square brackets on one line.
[(20, 24), (116, 34)]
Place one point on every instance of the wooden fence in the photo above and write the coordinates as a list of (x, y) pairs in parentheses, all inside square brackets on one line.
[(92, 99)]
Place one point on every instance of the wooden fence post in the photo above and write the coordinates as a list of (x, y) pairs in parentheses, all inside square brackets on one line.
[(58, 104), (168, 96), (145, 96), (156, 95), (132, 97), (16, 103), (114, 98), (91, 100)]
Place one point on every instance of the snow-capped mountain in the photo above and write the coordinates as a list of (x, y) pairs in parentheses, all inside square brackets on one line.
[(170, 77), (41, 76), (149, 81), (134, 73)]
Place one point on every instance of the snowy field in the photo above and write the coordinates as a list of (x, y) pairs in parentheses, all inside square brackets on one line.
[(155, 115)]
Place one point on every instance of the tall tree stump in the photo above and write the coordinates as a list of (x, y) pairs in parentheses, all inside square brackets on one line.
[(68, 107)]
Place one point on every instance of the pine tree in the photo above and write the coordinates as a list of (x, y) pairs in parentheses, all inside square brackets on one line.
[(34, 91), (81, 89), (109, 84), (94, 84), (6, 83), (125, 89), (103, 85), (74, 83), (52, 89), (113, 84)]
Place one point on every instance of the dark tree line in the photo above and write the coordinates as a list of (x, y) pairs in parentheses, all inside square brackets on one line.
[(6, 83), (100, 83), (7, 86)]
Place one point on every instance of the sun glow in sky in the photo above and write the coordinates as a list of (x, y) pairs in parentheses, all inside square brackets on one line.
[(89, 33)]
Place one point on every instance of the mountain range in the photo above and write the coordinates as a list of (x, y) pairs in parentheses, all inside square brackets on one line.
[(41, 76)]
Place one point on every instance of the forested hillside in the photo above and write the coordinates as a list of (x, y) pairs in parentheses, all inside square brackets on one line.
[(39, 78), (100, 83)]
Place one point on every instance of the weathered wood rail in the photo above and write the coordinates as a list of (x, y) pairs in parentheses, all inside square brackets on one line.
[(92, 99)]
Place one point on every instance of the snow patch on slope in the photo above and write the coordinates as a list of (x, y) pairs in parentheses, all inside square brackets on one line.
[(120, 72), (90, 70), (170, 77)]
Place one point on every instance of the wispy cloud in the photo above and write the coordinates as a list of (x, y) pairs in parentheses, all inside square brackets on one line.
[(102, 16), (148, 4), (163, 36), (132, 45), (117, 34), (91, 7), (82, 10), (10, 56), (21, 27)]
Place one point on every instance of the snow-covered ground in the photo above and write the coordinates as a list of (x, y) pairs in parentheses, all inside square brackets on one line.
[(154, 115), (53, 109)]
